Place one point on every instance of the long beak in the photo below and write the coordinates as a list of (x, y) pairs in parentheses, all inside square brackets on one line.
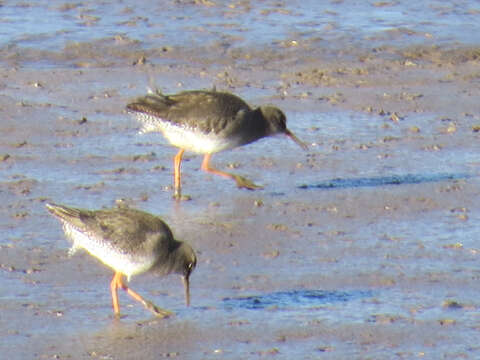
[(186, 284), (297, 140)]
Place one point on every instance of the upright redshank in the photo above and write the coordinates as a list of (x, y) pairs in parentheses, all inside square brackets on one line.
[(207, 122), (129, 241)]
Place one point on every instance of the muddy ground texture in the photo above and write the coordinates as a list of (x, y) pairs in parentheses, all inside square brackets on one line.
[(395, 258)]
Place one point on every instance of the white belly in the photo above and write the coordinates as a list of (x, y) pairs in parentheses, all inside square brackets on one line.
[(196, 141), (188, 138), (127, 264)]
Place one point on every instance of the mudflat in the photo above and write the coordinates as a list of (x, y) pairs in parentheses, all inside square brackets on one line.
[(364, 246)]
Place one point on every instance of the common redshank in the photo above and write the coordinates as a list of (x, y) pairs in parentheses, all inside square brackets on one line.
[(130, 242), (207, 122)]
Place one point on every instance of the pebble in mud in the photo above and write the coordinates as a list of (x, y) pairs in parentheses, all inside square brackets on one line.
[(277, 227), (82, 121), (271, 254), (452, 304), (4, 157)]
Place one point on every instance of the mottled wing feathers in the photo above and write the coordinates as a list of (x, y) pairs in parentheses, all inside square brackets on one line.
[(125, 229), (207, 111)]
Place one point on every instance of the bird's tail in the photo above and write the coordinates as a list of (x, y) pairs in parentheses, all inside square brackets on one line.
[(63, 212), (150, 104), (149, 109)]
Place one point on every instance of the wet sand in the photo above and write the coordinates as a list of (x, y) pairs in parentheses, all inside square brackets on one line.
[(363, 247)]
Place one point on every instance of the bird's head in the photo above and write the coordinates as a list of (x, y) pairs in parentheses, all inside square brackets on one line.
[(277, 124), (187, 264)]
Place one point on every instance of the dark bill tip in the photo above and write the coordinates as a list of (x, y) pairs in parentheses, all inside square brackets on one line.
[(297, 140), (186, 285)]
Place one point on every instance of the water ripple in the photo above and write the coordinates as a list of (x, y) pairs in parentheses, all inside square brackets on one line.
[(296, 298), (405, 179)]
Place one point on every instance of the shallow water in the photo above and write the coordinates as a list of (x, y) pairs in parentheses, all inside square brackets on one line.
[(365, 246), (57, 26), (337, 266)]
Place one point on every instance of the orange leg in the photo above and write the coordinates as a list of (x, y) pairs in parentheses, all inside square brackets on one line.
[(117, 282), (241, 181), (206, 167), (176, 174), (117, 279)]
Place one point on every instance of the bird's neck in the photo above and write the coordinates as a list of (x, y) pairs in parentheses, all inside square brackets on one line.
[(174, 263), (254, 125)]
